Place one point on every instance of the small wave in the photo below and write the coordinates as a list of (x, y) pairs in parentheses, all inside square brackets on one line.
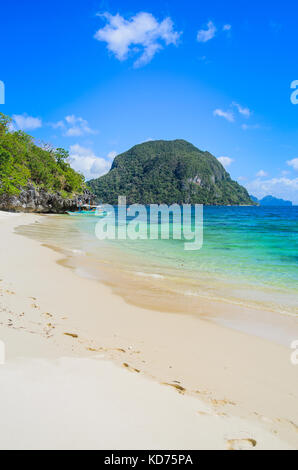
[(78, 252), (154, 276), (190, 293)]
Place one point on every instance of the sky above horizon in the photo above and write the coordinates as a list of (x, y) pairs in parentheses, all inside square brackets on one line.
[(97, 77)]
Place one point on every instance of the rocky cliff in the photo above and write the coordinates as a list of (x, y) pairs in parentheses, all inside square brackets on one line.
[(31, 199)]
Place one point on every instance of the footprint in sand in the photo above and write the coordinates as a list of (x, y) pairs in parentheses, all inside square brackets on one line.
[(218, 415), (222, 402), (180, 389), (241, 444), (132, 369), (295, 426), (95, 350)]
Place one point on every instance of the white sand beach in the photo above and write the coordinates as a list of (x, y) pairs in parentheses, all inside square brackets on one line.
[(86, 370)]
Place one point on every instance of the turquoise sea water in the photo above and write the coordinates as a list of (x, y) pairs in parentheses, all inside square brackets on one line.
[(249, 256)]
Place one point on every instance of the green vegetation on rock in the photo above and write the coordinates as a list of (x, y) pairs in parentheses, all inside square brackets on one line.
[(169, 172), (24, 163)]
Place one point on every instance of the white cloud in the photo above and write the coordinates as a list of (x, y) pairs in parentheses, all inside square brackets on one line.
[(247, 127), (141, 33), (111, 155), (225, 161), (57, 125), (293, 163), (227, 27), (205, 35), (284, 188), (73, 126), (84, 160), (242, 110), (228, 115), (25, 122), (261, 174)]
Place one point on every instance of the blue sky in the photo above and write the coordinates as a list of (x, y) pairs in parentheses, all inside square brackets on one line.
[(98, 77)]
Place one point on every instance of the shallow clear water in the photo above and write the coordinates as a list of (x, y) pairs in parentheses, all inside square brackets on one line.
[(249, 255)]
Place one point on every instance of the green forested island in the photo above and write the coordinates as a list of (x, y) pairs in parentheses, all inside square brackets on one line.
[(22, 161), (36, 178), (169, 172)]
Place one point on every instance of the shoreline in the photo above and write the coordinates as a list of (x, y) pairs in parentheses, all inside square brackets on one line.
[(204, 361), (168, 292), (140, 290)]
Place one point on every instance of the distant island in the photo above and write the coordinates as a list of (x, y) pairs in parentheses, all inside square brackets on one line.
[(167, 172), (35, 178), (271, 201)]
